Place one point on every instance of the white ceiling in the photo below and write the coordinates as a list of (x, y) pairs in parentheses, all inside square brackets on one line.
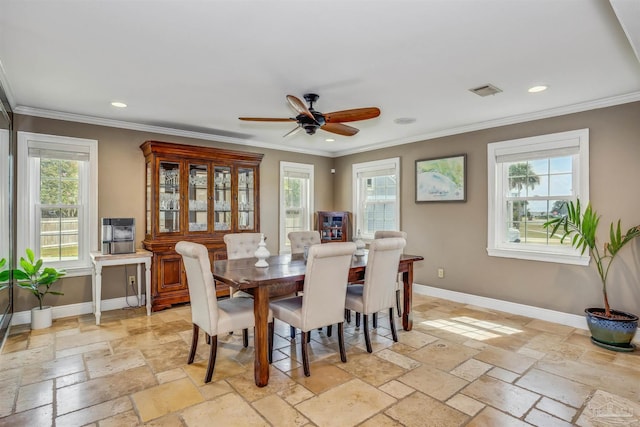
[(188, 67)]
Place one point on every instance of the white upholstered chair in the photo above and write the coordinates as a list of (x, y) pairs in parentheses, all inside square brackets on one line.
[(300, 239), (244, 245), (377, 292), (207, 313), (322, 302), (385, 234), (241, 245)]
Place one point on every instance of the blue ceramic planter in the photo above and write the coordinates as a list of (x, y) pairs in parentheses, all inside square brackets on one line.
[(613, 334)]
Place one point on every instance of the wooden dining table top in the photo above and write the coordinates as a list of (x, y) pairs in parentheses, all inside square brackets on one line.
[(243, 274)]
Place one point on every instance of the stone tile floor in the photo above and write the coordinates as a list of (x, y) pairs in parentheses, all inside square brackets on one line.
[(459, 366)]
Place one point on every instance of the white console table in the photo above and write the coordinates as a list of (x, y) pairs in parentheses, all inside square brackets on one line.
[(99, 260)]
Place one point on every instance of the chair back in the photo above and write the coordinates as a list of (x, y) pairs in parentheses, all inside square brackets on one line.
[(300, 239), (385, 234), (325, 284), (202, 290), (241, 245), (381, 274)]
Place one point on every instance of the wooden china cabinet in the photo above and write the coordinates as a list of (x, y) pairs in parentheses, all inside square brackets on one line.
[(196, 194), (334, 226)]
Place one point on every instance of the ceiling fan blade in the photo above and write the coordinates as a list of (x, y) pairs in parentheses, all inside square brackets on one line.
[(299, 106), (266, 119), (352, 115), (293, 131), (340, 129)]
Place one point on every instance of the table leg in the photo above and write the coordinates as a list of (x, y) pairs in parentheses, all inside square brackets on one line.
[(147, 284), (407, 315), (261, 339), (138, 269), (97, 296)]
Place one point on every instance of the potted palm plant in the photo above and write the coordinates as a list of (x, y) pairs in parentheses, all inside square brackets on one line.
[(37, 279), (609, 328)]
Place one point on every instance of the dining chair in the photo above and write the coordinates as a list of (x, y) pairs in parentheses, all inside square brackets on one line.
[(321, 304), (244, 245), (300, 239), (207, 313), (385, 234), (377, 292)]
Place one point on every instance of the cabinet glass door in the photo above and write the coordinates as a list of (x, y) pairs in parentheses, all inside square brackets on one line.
[(246, 208), (222, 198), (198, 198), (169, 198), (148, 201)]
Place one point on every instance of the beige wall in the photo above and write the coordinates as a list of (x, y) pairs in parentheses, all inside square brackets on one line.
[(454, 235), (121, 193), (448, 235)]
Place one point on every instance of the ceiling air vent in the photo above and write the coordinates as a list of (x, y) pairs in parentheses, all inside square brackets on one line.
[(486, 90)]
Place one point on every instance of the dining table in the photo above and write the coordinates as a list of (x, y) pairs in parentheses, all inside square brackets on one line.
[(283, 271)]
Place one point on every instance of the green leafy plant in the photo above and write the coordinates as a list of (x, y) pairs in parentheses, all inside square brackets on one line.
[(582, 227), (4, 274), (33, 277)]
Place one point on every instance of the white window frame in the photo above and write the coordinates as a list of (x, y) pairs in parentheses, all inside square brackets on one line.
[(572, 142), (300, 168), (5, 167), (28, 191), (376, 167)]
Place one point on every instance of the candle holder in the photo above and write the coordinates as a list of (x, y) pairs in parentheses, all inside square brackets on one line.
[(262, 253)]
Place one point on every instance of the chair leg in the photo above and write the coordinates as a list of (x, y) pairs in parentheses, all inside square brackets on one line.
[(357, 319), (343, 353), (293, 332), (347, 315), (398, 305), (375, 320), (271, 331), (207, 337), (392, 323), (305, 356), (245, 338), (367, 339), (329, 329), (212, 359), (194, 344)]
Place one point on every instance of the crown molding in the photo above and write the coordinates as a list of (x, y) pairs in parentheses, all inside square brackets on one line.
[(79, 118), (520, 118)]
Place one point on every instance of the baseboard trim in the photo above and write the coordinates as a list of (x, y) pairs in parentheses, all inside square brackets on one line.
[(567, 319), (24, 317)]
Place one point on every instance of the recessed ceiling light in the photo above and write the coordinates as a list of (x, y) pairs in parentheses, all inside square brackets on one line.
[(539, 88), (119, 104), (329, 140), (404, 120)]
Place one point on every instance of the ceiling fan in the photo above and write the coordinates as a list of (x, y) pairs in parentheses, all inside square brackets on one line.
[(311, 120)]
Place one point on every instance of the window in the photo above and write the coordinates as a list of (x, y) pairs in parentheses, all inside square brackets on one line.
[(528, 181), (296, 200), (376, 196), (58, 203)]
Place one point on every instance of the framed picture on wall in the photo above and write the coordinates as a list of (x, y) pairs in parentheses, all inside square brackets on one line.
[(442, 179)]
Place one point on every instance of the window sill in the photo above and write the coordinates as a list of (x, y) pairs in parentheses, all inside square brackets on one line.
[(531, 255), (77, 271)]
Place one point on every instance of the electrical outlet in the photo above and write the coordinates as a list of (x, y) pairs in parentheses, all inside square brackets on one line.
[(132, 280), (441, 273)]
